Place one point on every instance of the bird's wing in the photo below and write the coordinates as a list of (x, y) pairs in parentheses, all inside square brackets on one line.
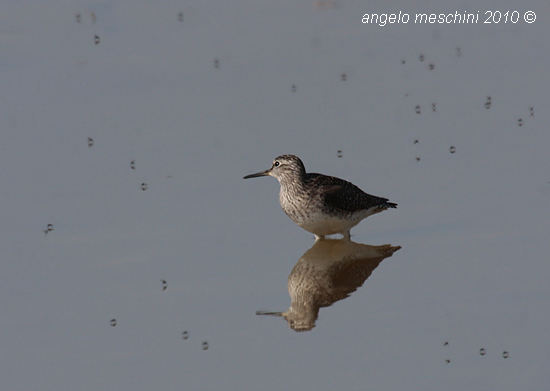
[(343, 195)]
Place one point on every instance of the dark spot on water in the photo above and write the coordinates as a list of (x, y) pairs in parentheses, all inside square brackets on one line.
[(180, 16), (417, 109), (185, 335), (205, 345), (421, 58), (452, 149), (113, 322), (144, 186), (482, 351), (96, 40), (488, 102), (49, 228), (90, 142), (520, 122)]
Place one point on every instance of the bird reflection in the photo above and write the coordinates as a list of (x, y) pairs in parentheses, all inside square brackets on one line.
[(329, 271)]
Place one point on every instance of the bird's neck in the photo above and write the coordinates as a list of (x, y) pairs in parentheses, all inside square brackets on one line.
[(292, 189), (293, 183)]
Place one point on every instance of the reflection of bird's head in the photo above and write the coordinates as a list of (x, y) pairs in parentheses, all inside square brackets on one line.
[(301, 319)]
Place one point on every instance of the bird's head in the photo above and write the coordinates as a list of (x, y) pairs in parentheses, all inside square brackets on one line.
[(284, 166)]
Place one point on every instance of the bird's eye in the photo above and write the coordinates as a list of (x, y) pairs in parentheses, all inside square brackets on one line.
[(276, 164)]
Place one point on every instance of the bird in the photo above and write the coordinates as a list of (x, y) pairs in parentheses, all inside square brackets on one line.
[(321, 204)]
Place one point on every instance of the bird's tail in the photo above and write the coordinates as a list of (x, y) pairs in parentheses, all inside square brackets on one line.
[(383, 206)]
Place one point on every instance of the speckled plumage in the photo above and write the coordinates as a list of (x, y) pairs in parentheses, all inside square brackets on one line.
[(321, 204)]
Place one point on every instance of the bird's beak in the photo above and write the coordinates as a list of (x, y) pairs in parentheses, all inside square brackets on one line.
[(263, 173)]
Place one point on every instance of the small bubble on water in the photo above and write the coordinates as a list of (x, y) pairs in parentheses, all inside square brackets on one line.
[(185, 335), (452, 149), (113, 322), (417, 109), (505, 354), (205, 345), (482, 351), (144, 186)]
